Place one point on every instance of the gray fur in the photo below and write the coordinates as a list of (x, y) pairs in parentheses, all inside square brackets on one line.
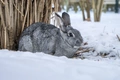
[(66, 18), (41, 37)]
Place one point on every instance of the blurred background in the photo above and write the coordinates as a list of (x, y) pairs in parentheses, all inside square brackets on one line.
[(108, 5), (87, 6)]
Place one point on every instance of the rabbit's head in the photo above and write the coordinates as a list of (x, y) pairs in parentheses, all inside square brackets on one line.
[(70, 35)]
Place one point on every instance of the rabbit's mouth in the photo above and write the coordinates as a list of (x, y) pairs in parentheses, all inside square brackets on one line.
[(75, 47)]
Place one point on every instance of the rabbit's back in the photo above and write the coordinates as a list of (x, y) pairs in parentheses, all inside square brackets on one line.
[(39, 37), (42, 26)]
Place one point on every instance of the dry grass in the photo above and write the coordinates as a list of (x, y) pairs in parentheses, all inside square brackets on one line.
[(15, 15)]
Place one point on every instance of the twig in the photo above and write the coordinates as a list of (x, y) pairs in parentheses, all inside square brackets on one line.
[(2, 18), (118, 37), (27, 9), (18, 10), (35, 9), (84, 49), (3, 2)]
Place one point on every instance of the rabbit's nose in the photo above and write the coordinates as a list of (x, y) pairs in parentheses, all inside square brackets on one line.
[(77, 43)]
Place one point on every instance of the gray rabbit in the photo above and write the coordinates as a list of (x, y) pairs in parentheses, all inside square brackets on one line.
[(41, 37)]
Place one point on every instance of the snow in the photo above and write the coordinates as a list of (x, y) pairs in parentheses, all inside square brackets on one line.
[(16, 65), (40, 66), (102, 36)]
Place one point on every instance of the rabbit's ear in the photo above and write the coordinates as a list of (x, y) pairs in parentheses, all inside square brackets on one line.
[(66, 19), (62, 24)]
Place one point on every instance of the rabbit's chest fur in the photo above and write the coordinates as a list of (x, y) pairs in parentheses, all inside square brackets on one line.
[(63, 48)]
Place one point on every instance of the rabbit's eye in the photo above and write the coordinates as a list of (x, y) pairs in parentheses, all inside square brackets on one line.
[(70, 34)]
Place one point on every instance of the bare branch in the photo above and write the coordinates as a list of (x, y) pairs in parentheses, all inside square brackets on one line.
[(3, 2), (18, 10), (85, 49), (27, 9), (118, 37)]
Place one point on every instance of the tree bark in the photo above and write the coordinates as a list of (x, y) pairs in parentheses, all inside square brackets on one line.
[(97, 9)]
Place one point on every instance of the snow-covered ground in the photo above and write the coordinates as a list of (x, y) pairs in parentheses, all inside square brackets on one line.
[(101, 36), (39, 66)]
